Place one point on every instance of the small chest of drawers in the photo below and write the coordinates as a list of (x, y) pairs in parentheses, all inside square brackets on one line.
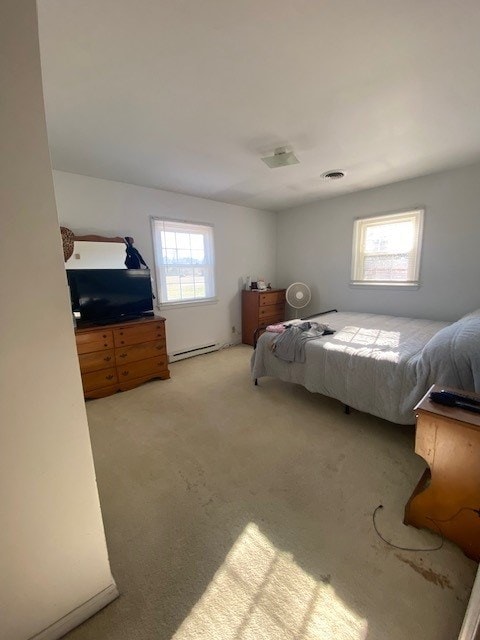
[(259, 309), (118, 357), (447, 496)]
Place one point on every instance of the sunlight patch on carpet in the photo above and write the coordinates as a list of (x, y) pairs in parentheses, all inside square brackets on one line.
[(260, 593)]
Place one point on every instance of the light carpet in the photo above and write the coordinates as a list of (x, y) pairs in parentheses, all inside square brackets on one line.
[(235, 512)]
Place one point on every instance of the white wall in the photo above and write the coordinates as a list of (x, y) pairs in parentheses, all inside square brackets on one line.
[(53, 556), (245, 244), (315, 246)]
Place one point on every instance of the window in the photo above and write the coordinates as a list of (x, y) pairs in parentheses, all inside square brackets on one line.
[(184, 261), (386, 249)]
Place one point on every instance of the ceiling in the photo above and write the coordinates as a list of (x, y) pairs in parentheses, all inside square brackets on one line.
[(188, 95)]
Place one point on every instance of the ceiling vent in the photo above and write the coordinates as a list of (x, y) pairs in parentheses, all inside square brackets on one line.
[(281, 158), (333, 175)]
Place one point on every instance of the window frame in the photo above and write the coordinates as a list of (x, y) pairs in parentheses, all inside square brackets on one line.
[(160, 275), (358, 253)]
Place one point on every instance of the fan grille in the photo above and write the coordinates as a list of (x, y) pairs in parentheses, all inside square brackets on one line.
[(298, 295)]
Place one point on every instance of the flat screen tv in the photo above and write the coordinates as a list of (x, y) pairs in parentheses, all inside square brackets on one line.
[(110, 295)]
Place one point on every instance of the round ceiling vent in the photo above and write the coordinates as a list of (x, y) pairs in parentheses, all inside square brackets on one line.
[(333, 175)]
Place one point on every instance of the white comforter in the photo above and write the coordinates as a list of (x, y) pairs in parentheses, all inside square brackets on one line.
[(379, 364)]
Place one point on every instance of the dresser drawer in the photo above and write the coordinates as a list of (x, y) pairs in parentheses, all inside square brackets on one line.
[(142, 368), (96, 360), (272, 310), (271, 297), (94, 341), (140, 352), (141, 333), (99, 379), (272, 320)]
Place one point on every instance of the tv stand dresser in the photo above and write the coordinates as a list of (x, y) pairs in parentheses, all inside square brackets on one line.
[(121, 356)]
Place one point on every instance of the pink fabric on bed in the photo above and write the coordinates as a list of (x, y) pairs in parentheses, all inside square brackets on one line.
[(276, 328)]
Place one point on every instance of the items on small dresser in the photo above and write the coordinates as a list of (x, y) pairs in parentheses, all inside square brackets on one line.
[(118, 357), (259, 309)]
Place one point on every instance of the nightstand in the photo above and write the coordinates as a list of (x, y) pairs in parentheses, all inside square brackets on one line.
[(448, 438)]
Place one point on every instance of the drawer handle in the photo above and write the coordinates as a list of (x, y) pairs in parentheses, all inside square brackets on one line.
[(159, 347), (104, 336), (105, 344), (108, 358), (109, 377), (123, 355), (124, 373), (121, 333), (122, 342)]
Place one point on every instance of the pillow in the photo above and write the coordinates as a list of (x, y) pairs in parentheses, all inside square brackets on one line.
[(452, 356), (471, 314)]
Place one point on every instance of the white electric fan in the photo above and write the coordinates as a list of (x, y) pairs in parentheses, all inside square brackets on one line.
[(298, 295)]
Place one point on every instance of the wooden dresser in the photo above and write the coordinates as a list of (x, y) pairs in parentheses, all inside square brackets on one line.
[(121, 356), (259, 309)]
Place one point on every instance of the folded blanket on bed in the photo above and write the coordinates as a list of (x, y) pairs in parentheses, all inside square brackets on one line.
[(290, 345)]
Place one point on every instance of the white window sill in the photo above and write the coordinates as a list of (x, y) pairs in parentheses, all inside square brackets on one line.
[(186, 303), (406, 286)]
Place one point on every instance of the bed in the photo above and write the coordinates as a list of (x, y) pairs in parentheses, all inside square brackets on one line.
[(380, 364)]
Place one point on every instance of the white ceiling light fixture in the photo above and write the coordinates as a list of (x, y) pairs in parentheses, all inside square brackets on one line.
[(334, 174), (281, 158)]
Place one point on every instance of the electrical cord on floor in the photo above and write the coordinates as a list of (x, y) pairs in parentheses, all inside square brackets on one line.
[(435, 522), (396, 546)]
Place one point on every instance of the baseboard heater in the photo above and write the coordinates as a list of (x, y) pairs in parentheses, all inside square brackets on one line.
[(193, 351)]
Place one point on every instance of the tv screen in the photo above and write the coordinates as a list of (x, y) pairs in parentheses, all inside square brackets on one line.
[(110, 295)]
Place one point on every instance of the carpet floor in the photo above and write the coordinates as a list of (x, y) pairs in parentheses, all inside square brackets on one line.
[(235, 512)]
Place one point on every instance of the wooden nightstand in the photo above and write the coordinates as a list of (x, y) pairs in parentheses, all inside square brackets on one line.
[(448, 438), (259, 309)]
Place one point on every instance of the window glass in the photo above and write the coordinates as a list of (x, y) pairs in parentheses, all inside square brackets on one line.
[(184, 261), (386, 249)]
